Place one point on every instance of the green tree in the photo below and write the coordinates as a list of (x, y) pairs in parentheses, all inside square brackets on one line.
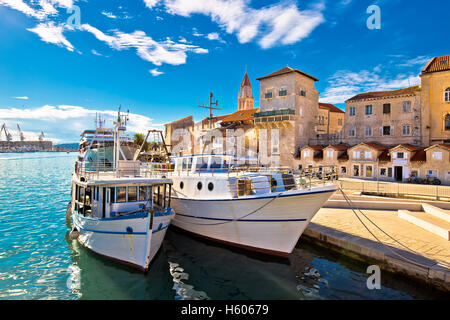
[(139, 139)]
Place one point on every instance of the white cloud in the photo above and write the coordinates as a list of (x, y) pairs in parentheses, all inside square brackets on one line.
[(421, 60), (167, 51), (21, 98), (40, 9), (345, 84), (65, 122), (51, 33), (96, 53), (281, 23), (109, 14), (155, 72)]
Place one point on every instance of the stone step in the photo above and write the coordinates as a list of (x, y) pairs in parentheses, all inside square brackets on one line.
[(437, 212), (428, 222)]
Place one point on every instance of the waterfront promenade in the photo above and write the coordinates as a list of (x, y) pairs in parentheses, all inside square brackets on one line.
[(337, 227)]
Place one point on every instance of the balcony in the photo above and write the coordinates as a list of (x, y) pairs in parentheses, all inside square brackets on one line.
[(275, 117)]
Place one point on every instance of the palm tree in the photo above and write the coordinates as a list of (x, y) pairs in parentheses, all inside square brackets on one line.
[(139, 139)]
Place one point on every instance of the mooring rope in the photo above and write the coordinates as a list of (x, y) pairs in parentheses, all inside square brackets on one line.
[(231, 220), (349, 202)]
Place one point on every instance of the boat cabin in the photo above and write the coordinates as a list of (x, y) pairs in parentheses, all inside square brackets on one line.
[(101, 199), (203, 163)]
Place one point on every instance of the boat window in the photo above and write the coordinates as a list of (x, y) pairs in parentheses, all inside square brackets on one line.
[(289, 182), (132, 194), (225, 164), (181, 185), (185, 161), (121, 194), (202, 163), (199, 185), (142, 193), (210, 186), (112, 192), (216, 162), (178, 163), (157, 198)]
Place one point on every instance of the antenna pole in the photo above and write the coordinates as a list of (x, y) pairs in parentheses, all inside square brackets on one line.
[(210, 107)]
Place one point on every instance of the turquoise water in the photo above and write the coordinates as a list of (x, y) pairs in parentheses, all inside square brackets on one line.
[(39, 261)]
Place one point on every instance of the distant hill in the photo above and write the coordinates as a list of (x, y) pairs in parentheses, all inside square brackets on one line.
[(73, 146)]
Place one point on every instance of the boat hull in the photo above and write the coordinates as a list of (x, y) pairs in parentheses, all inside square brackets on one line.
[(272, 225), (128, 239)]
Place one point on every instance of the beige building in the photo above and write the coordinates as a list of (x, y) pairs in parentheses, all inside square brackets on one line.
[(435, 97)]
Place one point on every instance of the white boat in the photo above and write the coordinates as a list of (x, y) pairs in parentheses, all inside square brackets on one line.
[(115, 211), (266, 210)]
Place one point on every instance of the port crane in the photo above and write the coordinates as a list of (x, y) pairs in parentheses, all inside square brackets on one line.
[(8, 135), (22, 137)]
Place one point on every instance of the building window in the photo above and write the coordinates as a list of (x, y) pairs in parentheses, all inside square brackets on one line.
[(368, 132), (303, 92), (352, 111), (306, 153), (344, 170), (390, 172), (356, 154), (400, 155), (383, 172), (282, 92), (447, 122), (386, 108), (369, 170), (268, 95), (368, 154), (406, 106), (351, 132), (356, 171), (406, 130), (275, 142), (447, 95), (339, 122), (301, 112), (329, 153), (386, 131), (368, 110), (437, 155)]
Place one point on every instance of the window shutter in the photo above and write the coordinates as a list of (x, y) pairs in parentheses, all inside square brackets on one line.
[(381, 131), (392, 130)]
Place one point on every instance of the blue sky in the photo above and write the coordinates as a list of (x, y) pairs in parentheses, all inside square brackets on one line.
[(161, 58)]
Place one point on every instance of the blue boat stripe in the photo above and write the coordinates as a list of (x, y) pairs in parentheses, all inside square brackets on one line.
[(257, 198), (119, 232), (242, 220)]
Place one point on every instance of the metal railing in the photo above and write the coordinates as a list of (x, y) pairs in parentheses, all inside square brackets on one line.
[(395, 189)]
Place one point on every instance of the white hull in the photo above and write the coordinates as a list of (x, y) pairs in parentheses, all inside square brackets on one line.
[(113, 238), (275, 227)]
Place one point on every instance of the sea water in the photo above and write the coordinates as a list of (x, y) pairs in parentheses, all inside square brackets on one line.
[(38, 260)]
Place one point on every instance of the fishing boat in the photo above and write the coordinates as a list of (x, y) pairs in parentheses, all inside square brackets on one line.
[(115, 211), (256, 208)]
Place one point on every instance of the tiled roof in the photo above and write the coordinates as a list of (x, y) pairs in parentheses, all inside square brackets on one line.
[(442, 145), (437, 64), (330, 107), (407, 147), (214, 119), (383, 94), (240, 115), (375, 146), (245, 81), (338, 147), (419, 156), (286, 70), (314, 147)]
